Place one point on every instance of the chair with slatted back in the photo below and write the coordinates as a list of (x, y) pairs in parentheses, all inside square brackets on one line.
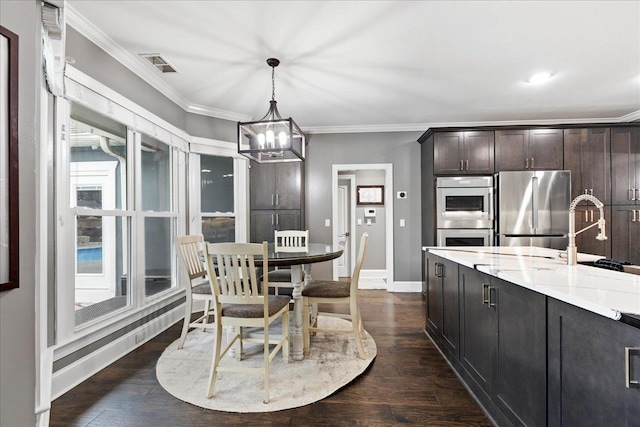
[(190, 250), (239, 303), (327, 291), (287, 241)]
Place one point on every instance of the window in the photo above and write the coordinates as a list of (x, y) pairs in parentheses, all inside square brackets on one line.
[(98, 197), (217, 198)]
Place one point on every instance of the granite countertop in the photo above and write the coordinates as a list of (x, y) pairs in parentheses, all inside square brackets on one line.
[(612, 294)]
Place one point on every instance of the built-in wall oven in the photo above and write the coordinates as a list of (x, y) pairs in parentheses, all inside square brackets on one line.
[(464, 207)]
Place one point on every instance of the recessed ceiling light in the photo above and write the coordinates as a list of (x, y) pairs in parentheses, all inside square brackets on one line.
[(539, 78)]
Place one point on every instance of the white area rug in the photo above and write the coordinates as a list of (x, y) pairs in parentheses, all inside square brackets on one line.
[(332, 363)]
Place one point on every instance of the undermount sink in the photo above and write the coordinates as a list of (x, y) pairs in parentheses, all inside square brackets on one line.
[(608, 264)]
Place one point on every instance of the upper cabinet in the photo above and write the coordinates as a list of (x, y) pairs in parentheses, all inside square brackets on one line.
[(587, 155), (528, 149), (625, 162), (463, 153)]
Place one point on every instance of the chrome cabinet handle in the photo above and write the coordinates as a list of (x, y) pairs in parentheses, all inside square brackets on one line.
[(277, 199), (591, 210), (586, 216), (526, 163), (632, 194), (491, 302), (633, 215), (277, 219), (272, 204), (628, 352), (638, 191), (461, 164), (586, 191), (485, 297), (466, 165), (591, 191), (532, 160), (272, 223)]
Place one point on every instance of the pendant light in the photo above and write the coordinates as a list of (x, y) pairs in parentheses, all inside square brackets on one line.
[(272, 138)]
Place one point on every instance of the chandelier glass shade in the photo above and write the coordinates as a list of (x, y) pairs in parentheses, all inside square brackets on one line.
[(272, 138)]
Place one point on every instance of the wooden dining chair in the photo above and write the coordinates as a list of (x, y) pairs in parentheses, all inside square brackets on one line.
[(190, 250), (239, 303), (287, 241), (326, 291)]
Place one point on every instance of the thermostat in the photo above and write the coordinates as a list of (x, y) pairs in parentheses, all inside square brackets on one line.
[(370, 213)]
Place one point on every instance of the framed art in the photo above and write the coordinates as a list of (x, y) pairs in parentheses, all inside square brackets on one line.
[(370, 195), (8, 160)]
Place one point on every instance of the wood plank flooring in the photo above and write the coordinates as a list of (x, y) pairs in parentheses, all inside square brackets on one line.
[(409, 383)]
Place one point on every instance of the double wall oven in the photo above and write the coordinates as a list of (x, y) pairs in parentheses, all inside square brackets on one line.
[(464, 208)]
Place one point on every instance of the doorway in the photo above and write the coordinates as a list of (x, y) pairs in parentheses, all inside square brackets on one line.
[(344, 183)]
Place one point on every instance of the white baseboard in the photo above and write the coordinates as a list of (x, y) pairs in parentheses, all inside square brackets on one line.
[(405, 287), (70, 376), (373, 274)]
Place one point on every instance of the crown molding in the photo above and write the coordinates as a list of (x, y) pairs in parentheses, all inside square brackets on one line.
[(634, 116), (106, 43)]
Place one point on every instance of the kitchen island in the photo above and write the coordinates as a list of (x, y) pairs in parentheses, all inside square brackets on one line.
[(537, 342)]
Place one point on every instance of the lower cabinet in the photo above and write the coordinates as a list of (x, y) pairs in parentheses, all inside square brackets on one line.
[(265, 222), (593, 363), (443, 301), (503, 345)]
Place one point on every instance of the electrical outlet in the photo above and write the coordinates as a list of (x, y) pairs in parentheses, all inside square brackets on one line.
[(327, 223), (402, 223)]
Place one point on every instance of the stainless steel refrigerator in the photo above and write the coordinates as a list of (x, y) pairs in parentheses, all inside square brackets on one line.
[(532, 208)]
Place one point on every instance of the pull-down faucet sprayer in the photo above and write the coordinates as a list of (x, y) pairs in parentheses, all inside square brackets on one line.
[(572, 250)]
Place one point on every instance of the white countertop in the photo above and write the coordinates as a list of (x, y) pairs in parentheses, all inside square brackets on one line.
[(605, 292)]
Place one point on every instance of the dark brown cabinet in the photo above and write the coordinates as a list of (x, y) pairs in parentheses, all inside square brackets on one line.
[(586, 241), (587, 153), (442, 301), (625, 234), (277, 199), (592, 363), (625, 164), (503, 345), (462, 153), (528, 149)]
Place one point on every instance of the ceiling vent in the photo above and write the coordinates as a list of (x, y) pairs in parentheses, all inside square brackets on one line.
[(158, 62)]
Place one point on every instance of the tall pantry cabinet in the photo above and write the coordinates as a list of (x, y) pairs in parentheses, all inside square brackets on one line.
[(276, 198)]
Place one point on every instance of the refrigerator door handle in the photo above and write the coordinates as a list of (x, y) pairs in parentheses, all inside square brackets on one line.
[(534, 204)]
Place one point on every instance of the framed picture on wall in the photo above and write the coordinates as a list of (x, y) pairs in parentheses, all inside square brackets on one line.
[(8, 159), (370, 194)]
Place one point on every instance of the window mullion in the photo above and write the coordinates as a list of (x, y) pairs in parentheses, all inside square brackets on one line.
[(137, 249)]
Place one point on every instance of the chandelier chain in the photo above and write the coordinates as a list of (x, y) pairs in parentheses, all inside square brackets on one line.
[(273, 83)]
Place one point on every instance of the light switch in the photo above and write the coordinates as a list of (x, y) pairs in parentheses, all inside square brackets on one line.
[(402, 223), (359, 221), (368, 221), (327, 223)]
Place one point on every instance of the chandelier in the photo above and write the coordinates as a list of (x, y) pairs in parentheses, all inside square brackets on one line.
[(272, 138)]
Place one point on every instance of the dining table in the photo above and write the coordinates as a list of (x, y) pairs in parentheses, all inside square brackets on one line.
[(300, 265)]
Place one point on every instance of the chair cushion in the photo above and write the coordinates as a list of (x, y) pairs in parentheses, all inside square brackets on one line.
[(202, 289), (327, 289), (246, 311)]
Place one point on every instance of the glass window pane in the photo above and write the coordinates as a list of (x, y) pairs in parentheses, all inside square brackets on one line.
[(156, 175), (158, 249), (216, 175), (102, 262), (219, 229), (98, 156)]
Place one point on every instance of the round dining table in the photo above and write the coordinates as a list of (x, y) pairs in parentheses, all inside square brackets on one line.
[(300, 262)]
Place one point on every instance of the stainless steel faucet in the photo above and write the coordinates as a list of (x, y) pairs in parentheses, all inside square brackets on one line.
[(572, 250)]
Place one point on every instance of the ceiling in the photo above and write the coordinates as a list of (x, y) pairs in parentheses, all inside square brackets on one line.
[(351, 66)]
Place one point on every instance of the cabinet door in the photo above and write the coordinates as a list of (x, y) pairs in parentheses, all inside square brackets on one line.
[(521, 354), (287, 220), (586, 241), (596, 163), (586, 372), (625, 233), (450, 307), (263, 224), (448, 149), (288, 178), (477, 328), (511, 149), (623, 165), (545, 149), (574, 160), (478, 152), (434, 295), (263, 186)]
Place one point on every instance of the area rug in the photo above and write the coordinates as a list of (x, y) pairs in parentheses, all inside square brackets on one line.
[(332, 363)]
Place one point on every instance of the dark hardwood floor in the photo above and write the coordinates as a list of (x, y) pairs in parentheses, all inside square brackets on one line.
[(409, 383)]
